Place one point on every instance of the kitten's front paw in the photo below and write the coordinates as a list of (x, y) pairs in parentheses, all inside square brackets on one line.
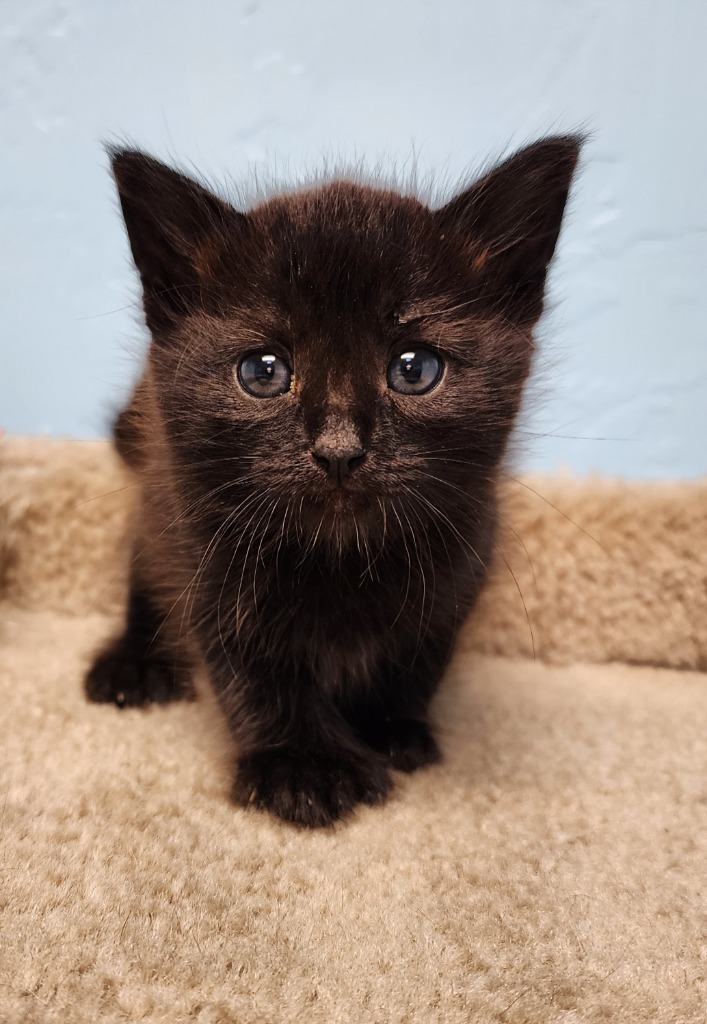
[(407, 742), (123, 677), (309, 787)]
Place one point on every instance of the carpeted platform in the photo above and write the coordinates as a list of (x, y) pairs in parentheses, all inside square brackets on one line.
[(552, 869)]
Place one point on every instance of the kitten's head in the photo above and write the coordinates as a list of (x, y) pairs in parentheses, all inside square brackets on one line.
[(343, 350)]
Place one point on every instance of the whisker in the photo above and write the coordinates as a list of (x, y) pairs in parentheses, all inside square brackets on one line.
[(547, 501)]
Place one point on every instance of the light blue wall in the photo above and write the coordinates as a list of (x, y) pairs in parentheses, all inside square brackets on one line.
[(232, 86)]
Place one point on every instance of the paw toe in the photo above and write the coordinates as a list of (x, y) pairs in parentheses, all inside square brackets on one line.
[(408, 744), (306, 789), (121, 677)]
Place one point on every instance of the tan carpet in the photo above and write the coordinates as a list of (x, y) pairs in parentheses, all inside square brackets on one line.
[(552, 869)]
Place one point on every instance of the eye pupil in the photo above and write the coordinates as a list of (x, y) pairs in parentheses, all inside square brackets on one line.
[(412, 366)]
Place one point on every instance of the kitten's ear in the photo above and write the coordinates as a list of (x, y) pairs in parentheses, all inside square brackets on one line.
[(173, 225), (511, 219)]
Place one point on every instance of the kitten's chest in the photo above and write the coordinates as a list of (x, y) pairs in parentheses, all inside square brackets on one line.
[(340, 616), (337, 615), (342, 627)]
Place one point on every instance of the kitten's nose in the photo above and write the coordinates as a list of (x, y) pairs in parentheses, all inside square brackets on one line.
[(338, 460)]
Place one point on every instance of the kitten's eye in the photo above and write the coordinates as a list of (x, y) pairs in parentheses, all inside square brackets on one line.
[(414, 372), (264, 375)]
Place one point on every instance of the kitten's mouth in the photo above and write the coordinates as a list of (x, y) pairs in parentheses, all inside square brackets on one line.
[(344, 502), (340, 501), (341, 512)]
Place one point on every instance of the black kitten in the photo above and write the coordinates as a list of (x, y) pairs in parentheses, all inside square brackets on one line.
[(331, 384)]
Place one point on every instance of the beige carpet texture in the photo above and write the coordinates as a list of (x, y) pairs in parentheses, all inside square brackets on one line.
[(553, 868)]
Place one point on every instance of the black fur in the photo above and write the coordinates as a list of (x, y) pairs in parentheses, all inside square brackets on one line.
[(317, 550)]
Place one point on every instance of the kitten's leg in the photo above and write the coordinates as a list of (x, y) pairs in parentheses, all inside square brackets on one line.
[(297, 757), (392, 716), (141, 666)]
